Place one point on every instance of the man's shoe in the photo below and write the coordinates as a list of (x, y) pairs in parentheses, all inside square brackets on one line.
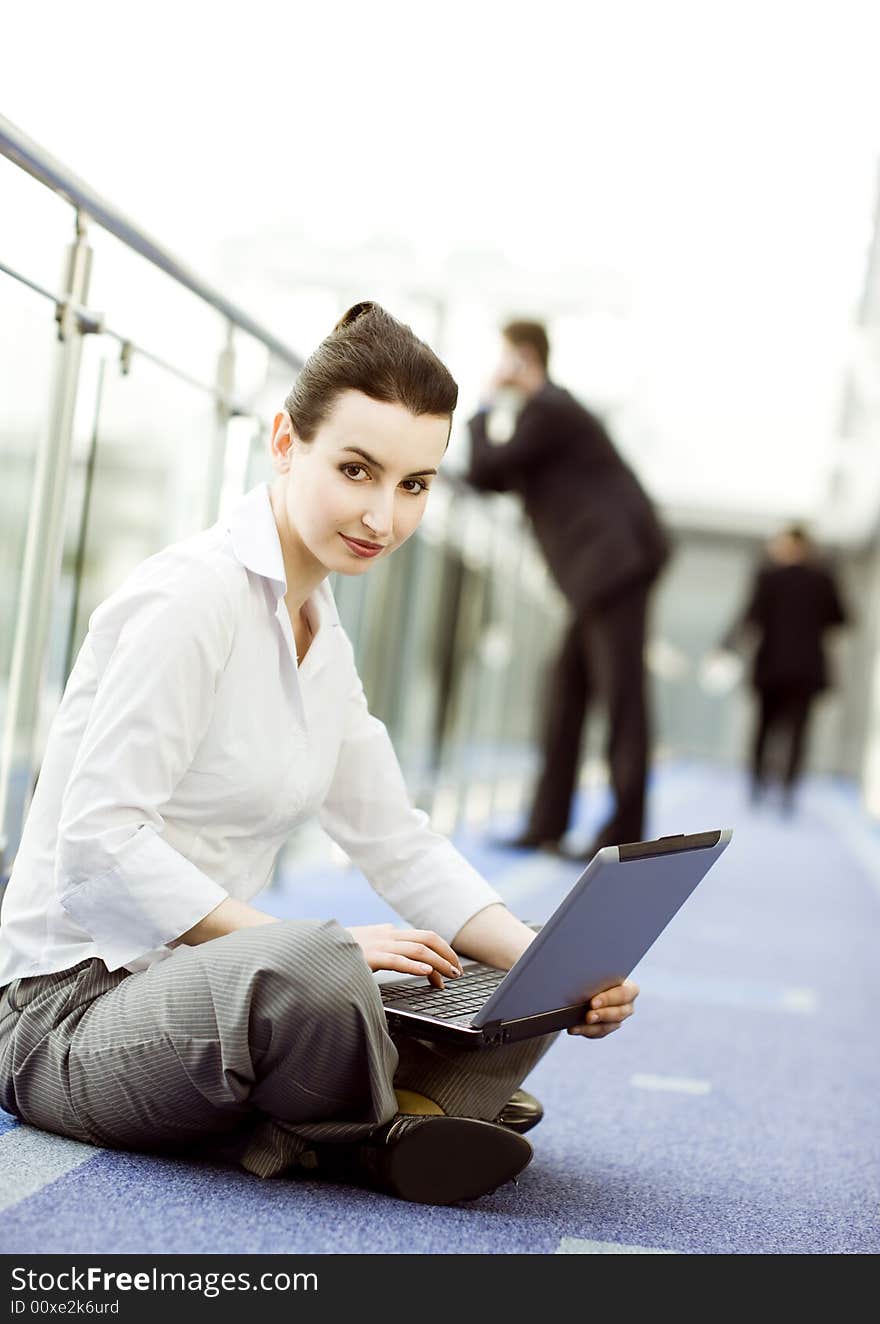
[(429, 1160), (521, 1112)]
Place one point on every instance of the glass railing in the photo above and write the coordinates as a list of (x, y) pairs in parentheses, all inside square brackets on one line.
[(135, 404)]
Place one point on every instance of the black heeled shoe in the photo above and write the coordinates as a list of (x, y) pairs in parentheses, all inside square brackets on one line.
[(521, 1112), (428, 1160)]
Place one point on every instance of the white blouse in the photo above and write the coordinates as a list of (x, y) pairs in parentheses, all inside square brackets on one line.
[(186, 748)]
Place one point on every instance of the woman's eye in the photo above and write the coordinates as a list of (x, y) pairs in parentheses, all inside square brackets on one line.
[(415, 485), (352, 471)]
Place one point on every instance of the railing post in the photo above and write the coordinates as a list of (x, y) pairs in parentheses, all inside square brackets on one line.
[(44, 548), (225, 382)]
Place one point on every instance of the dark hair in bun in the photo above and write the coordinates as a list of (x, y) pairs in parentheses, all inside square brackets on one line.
[(368, 350)]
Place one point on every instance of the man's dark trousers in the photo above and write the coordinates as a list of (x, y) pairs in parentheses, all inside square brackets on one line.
[(601, 661), (784, 713)]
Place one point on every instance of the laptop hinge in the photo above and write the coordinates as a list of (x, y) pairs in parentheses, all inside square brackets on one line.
[(493, 1033)]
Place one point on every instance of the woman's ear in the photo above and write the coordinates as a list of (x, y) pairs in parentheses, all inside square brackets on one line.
[(282, 437)]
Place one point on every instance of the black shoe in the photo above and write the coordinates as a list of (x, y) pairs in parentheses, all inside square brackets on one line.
[(430, 1160), (521, 1112)]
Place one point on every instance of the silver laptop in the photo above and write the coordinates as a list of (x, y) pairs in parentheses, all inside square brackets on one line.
[(595, 938)]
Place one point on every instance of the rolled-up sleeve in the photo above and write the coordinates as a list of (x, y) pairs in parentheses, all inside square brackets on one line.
[(153, 657), (368, 812)]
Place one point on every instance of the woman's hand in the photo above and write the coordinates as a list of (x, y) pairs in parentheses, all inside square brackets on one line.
[(408, 951), (608, 1011)]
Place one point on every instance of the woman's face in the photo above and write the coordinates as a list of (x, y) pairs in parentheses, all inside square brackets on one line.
[(358, 489)]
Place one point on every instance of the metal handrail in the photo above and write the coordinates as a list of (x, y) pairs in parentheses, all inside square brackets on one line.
[(30, 157), (90, 322)]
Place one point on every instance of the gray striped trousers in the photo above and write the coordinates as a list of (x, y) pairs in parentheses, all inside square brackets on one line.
[(274, 1034)]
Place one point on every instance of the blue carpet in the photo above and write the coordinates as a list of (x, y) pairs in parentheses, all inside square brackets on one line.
[(736, 1112)]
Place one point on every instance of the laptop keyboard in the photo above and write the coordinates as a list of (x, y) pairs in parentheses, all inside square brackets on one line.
[(459, 998)]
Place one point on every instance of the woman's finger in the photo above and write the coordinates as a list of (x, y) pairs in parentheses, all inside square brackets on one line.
[(432, 940), (610, 1015), (619, 995), (601, 1031), (599, 1024), (418, 951), (402, 964)]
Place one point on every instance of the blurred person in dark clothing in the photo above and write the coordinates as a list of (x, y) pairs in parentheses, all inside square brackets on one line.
[(793, 602), (604, 546)]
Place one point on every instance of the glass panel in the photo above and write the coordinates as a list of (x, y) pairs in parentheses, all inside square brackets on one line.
[(143, 304), (252, 365), (27, 334), (140, 470), (27, 351), (424, 677), (37, 227), (518, 645), (692, 608), (245, 439), (297, 311)]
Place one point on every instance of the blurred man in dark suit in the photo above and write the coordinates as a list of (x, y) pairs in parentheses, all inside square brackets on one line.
[(605, 547), (793, 602)]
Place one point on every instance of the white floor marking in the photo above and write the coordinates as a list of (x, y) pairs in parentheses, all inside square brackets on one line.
[(674, 1084), (727, 992), (30, 1159), (799, 999), (576, 1246)]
